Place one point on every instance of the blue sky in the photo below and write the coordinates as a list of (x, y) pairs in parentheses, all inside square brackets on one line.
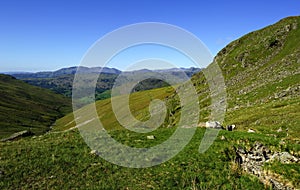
[(48, 35)]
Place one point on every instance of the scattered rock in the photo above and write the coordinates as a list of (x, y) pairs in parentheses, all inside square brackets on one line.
[(252, 162), (150, 186), (251, 131), (151, 137), (223, 138), (277, 185), (51, 177), (281, 142), (284, 157), (93, 152), (279, 130), (289, 92), (236, 107)]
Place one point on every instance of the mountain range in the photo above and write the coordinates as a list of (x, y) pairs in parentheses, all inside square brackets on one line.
[(61, 81), (86, 70), (261, 72)]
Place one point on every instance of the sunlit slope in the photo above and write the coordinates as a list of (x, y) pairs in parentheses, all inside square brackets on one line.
[(262, 76), (139, 107)]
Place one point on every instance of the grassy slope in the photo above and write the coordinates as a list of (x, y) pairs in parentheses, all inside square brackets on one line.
[(259, 78), (23, 106), (139, 107), (62, 160)]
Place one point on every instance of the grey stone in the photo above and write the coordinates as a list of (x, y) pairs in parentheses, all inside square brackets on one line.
[(151, 137), (284, 157), (213, 124), (251, 131), (93, 152)]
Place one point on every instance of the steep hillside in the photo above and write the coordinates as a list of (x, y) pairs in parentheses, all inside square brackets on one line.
[(25, 107), (262, 74)]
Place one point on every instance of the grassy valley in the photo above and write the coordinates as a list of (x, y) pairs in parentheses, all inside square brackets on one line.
[(262, 72)]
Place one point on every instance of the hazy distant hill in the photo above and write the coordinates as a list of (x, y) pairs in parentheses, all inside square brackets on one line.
[(66, 71), (61, 81), (24, 107)]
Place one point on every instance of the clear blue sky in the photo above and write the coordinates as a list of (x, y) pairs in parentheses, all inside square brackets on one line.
[(48, 35)]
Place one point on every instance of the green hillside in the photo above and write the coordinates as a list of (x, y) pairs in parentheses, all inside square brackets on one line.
[(261, 73), (25, 107)]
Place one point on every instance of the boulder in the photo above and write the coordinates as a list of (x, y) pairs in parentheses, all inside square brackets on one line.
[(213, 124), (151, 137), (251, 131)]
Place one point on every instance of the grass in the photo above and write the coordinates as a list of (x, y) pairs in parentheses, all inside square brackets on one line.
[(63, 161), (139, 103), (289, 171), (269, 117), (188, 170), (25, 107)]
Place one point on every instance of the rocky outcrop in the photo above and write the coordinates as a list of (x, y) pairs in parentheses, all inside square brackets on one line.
[(252, 161), (284, 157)]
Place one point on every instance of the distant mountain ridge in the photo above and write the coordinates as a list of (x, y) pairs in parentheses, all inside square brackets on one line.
[(66, 71), (92, 70), (61, 81)]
